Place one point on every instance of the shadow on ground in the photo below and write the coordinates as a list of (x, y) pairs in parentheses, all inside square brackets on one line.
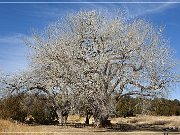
[(140, 127)]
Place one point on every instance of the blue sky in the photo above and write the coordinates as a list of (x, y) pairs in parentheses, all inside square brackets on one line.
[(17, 20)]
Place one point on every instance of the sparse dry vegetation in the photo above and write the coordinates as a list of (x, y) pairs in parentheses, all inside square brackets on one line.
[(140, 119), (8, 126), (151, 120), (163, 121)]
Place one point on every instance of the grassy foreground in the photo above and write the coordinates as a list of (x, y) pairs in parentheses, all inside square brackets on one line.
[(8, 127), (153, 120)]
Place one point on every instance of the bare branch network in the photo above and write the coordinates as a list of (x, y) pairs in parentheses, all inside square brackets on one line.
[(92, 60)]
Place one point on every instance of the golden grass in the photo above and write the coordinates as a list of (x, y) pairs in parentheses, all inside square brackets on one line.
[(8, 127), (77, 118), (153, 120)]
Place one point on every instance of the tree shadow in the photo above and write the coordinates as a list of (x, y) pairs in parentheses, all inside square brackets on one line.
[(119, 127)]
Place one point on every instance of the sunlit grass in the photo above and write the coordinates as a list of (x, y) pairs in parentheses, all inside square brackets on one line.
[(10, 127), (154, 120)]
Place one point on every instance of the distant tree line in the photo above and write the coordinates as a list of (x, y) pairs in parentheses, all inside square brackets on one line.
[(19, 107), (27, 106), (156, 106)]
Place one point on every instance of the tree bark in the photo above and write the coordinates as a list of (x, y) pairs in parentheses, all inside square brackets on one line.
[(87, 120)]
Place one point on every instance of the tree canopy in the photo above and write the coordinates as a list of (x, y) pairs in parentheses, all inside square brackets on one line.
[(92, 60)]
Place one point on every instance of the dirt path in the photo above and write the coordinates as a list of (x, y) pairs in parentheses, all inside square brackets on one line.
[(53, 130)]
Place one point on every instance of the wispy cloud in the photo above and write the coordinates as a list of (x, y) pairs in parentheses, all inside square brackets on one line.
[(135, 10), (12, 53), (13, 39), (132, 10)]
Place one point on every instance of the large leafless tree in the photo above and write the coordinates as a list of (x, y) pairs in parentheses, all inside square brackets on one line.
[(94, 60)]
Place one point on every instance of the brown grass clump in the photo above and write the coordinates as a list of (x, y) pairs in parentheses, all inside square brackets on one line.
[(151, 120), (161, 122), (8, 126)]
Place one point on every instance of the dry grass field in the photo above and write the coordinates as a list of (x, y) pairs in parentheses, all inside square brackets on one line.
[(173, 121), (8, 127)]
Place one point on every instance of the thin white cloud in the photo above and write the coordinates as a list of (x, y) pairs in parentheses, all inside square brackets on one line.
[(13, 53), (132, 10), (136, 10), (13, 39)]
